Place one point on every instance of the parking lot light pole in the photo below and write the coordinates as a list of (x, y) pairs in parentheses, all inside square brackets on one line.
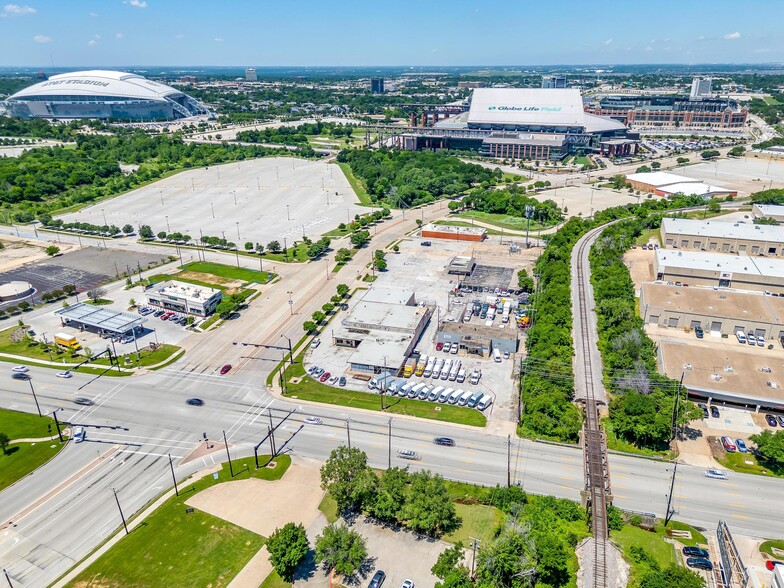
[(238, 229), (348, 432)]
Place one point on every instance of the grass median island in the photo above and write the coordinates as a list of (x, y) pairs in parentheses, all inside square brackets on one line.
[(23, 425), (215, 275), (20, 459), (174, 548), (356, 185), (768, 547), (503, 221)]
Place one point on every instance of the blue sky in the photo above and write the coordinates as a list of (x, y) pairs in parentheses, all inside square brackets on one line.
[(393, 32)]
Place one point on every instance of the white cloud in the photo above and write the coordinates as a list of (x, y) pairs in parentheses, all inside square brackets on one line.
[(218, 39), (92, 43), (732, 36), (97, 36), (762, 50), (649, 48), (608, 42), (16, 9), (119, 36), (701, 38), (136, 3), (434, 51), (179, 36), (93, 14), (42, 39)]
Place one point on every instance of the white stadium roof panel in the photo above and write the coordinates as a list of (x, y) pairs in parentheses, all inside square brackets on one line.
[(98, 83), (533, 106)]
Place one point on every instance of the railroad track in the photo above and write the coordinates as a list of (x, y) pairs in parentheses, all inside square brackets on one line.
[(594, 442)]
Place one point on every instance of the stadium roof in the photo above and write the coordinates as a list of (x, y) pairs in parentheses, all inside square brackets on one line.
[(659, 178), (100, 318), (526, 106), (98, 83)]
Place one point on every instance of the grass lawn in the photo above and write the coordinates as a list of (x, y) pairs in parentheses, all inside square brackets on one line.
[(737, 463), (248, 276), (335, 233), (513, 178), (479, 521), (454, 223), (99, 302), (173, 548), (503, 221), (647, 235), (766, 546), (34, 350), (329, 508), (356, 185), (274, 581), (295, 254), (23, 458), (148, 357), (652, 542), (22, 425), (582, 160), (697, 538)]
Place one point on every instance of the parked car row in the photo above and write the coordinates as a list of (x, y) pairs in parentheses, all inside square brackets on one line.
[(164, 315), (750, 339), (732, 446), (440, 394), (325, 377)]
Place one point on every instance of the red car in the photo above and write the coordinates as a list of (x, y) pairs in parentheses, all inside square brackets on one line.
[(439, 346), (225, 369), (771, 563), (324, 377), (165, 317)]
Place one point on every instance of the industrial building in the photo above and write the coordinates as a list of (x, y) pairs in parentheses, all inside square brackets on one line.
[(717, 312), (719, 270), (667, 184), (183, 297), (478, 340), (671, 111), (724, 237), (383, 328), (105, 95), (518, 123), (454, 233), (490, 278), (774, 211), (461, 265)]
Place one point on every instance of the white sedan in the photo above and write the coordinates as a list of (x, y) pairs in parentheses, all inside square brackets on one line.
[(313, 420), (715, 474), (20, 369), (66, 374)]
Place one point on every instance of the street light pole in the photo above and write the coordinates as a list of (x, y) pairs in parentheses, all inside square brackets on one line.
[(174, 479), (226, 443), (57, 424), (37, 406), (291, 303), (122, 516), (348, 432), (291, 352), (508, 461), (389, 455)]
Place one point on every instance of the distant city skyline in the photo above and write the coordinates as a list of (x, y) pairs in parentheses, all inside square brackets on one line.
[(49, 33)]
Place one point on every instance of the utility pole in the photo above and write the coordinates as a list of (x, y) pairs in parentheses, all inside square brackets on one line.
[(7, 578), (122, 516), (348, 432), (57, 424), (528, 210), (668, 513), (226, 443), (174, 479), (271, 435), (674, 425), (508, 461), (389, 459), (30, 381), (474, 544)]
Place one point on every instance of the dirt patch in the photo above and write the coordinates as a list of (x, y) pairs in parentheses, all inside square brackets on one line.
[(209, 279), (19, 251), (640, 264), (260, 505), (716, 448)]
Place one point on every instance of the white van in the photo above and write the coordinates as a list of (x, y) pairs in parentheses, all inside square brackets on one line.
[(395, 386), (437, 369), (445, 370), (455, 396), (464, 398), (486, 401), (474, 400), (461, 375), (414, 391), (497, 355), (403, 391), (435, 393), (424, 393), (444, 396), (475, 377), (741, 337)]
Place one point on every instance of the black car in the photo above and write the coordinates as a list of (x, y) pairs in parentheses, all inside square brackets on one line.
[(700, 563), (704, 410), (445, 441), (781, 420), (715, 412), (83, 401), (771, 420), (18, 376), (699, 332), (377, 579), (695, 552), (195, 402)]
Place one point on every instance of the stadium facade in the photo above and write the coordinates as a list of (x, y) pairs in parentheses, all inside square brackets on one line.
[(528, 123), (672, 111), (105, 95)]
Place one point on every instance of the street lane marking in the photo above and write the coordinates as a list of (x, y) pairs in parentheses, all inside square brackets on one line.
[(149, 453), (739, 516), (736, 505)]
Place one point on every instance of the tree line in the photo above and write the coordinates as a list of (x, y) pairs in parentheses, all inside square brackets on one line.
[(513, 201), (295, 135), (411, 178)]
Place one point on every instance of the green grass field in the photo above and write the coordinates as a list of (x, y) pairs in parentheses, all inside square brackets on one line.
[(329, 508), (652, 542), (248, 276), (176, 549), (479, 521), (22, 425), (23, 458), (274, 581), (356, 185), (294, 254), (766, 547), (737, 462), (503, 221)]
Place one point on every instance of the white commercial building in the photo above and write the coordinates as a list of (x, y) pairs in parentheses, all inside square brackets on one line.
[(183, 297), (667, 184), (774, 211), (700, 88), (724, 237)]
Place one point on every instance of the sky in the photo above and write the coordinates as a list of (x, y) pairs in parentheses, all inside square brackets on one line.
[(70, 33)]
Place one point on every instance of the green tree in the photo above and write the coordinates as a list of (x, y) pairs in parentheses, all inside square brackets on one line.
[(682, 160), (309, 326), (453, 206), (737, 151), (161, 235), (145, 232), (348, 479), (342, 290), (380, 264), (341, 549), (714, 206), (52, 250), (249, 246), (391, 495), (259, 248), (524, 281), (429, 508), (274, 246), (710, 154), (328, 307), (287, 547), (672, 575), (770, 446), (318, 317), (4, 442), (335, 299), (127, 229), (643, 169), (396, 248), (655, 165), (618, 181), (448, 561), (360, 239), (502, 563)]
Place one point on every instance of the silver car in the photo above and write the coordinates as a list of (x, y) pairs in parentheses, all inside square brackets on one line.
[(715, 474), (408, 454)]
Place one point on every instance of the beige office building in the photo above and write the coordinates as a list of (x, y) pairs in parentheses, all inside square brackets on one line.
[(723, 237)]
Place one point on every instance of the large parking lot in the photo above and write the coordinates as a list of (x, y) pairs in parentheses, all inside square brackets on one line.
[(746, 174), (257, 200), (424, 270)]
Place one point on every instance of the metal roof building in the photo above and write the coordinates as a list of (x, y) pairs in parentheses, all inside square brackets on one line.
[(103, 94), (100, 318)]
